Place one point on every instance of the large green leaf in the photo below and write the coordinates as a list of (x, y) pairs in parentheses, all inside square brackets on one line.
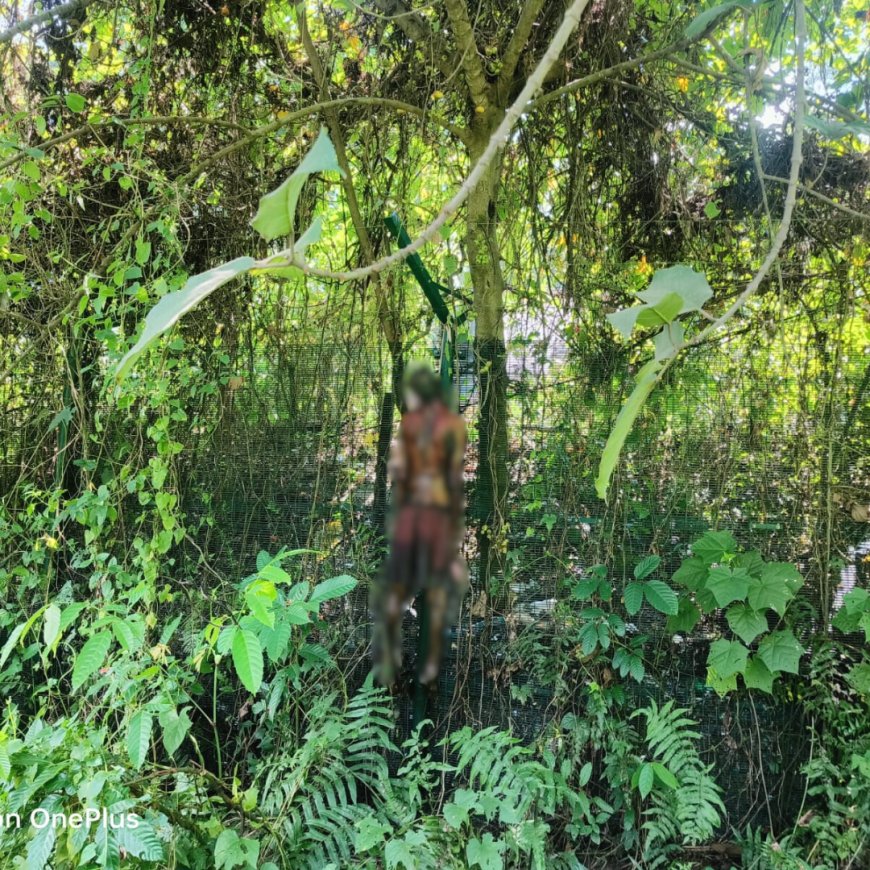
[(140, 842), (334, 587), (686, 618), (90, 658), (173, 306), (646, 380), (692, 573), (276, 215), (661, 597), (775, 588), (139, 737), (633, 597), (757, 675), (727, 585), (713, 546), (248, 659), (647, 566), (727, 657), (745, 622), (780, 651)]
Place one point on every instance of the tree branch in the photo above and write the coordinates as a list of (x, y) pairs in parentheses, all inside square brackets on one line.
[(62, 11), (475, 75), (514, 50), (496, 142)]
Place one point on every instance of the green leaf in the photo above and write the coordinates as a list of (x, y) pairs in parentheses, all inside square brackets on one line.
[(173, 306), (248, 659), (175, 726), (661, 597), (90, 658), (645, 780), (721, 685), (139, 737), (669, 341), (727, 657), (276, 215), (370, 832), (75, 102), (633, 597), (686, 618), (126, 635), (701, 23), (661, 312), (623, 321), (714, 546), (777, 585), (646, 566), (745, 622), (692, 573), (727, 585), (689, 286), (664, 775), (757, 675), (50, 626), (260, 597), (485, 853), (837, 129), (780, 651), (455, 815), (712, 210), (750, 561), (334, 587), (646, 380), (859, 678), (140, 842)]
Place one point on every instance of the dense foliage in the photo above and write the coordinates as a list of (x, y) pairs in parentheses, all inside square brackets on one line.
[(647, 222)]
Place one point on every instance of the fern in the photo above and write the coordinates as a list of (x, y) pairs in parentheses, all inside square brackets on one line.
[(691, 812), (319, 792)]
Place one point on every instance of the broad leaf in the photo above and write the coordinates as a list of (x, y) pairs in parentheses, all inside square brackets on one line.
[(173, 306), (139, 737), (661, 312), (334, 587), (646, 566), (661, 597), (775, 588), (727, 657), (90, 658), (175, 726), (758, 676), (633, 597), (485, 853), (140, 842), (646, 380), (727, 585), (692, 573), (689, 286), (50, 626), (686, 618), (780, 651), (713, 546), (669, 341), (276, 215), (248, 659), (745, 622)]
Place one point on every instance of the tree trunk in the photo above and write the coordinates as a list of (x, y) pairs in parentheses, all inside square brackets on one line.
[(485, 265)]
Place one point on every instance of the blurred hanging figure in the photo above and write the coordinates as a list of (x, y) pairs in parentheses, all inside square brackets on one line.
[(426, 523)]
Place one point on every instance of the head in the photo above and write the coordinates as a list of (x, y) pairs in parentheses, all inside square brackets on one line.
[(421, 386)]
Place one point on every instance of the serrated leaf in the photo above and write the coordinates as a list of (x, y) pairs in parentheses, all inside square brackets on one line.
[(757, 675), (692, 573), (646, 380), (780, 651), (334, 587), (140, 842), (686, 618), (455, 815), (727, 657), (485, 853), (859, 678), (276, 214), (173, 306), (370, 832), (248, 659), (713, 546), (647, 566), (633, 597), (777, 585), (139, 737), (745, 622), (727, 585), (661, 597), (721, 685), (90, 658)]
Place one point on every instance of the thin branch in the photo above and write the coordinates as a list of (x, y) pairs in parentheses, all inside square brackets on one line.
[(496, 142), (475, 74), (804, 188), (62, 11), (519, 39)]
